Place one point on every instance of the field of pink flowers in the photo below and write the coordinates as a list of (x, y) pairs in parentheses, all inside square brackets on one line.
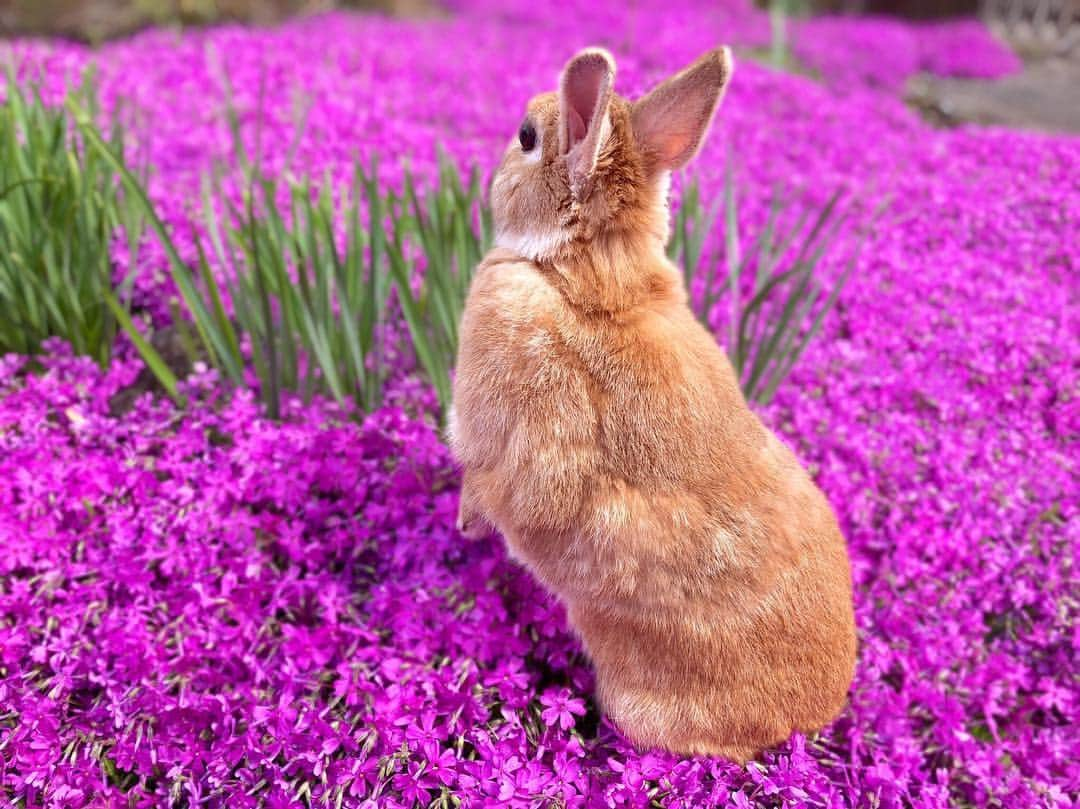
[(207, 608)]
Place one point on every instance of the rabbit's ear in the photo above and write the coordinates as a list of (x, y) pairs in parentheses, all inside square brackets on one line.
[(584, 96), (671, 121)]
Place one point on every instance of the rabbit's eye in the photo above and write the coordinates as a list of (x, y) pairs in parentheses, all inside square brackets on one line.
[(527, 137)]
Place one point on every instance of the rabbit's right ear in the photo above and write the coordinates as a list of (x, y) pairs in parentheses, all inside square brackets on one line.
[(584, 97)]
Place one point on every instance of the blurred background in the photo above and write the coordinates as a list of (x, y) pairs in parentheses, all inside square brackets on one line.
[(1045, 34), (1032, 25), (98, 20)]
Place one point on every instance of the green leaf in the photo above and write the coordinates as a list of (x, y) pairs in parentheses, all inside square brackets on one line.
[(149, 354), (770, 332)]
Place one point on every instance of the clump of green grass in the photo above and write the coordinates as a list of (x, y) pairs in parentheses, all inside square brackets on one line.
[(305, 308), (310, 301), (60, 210), (777, 301), (453, 229), (310, 304)]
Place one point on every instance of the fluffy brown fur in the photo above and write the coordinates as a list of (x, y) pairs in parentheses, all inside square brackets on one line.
[(602, 431)]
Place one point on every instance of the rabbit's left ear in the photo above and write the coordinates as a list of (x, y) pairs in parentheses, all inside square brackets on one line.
[(584, 97), (671, 121)]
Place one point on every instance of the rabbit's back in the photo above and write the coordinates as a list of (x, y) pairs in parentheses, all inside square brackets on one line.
[(704, 570), (607, 443)]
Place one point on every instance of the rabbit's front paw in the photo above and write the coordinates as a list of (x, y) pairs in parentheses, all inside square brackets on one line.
[(471, 524)]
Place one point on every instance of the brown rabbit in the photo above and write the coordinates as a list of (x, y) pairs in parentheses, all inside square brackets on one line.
[(602, 431)]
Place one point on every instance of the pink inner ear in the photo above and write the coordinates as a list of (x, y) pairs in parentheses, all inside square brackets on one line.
[(672, 120), (581, 93), (575, 126)]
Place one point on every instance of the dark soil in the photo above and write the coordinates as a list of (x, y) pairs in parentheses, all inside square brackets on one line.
[(170, 345)]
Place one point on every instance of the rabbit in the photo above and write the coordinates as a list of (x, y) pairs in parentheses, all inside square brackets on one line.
[(601, 429)]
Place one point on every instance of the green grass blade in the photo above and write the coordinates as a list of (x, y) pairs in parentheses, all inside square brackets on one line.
[(149, 354)]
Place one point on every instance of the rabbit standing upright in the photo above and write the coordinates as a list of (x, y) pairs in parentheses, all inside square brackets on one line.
[(601, 429)]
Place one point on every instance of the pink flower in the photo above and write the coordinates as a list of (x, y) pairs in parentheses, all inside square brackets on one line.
[(560, 709)]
